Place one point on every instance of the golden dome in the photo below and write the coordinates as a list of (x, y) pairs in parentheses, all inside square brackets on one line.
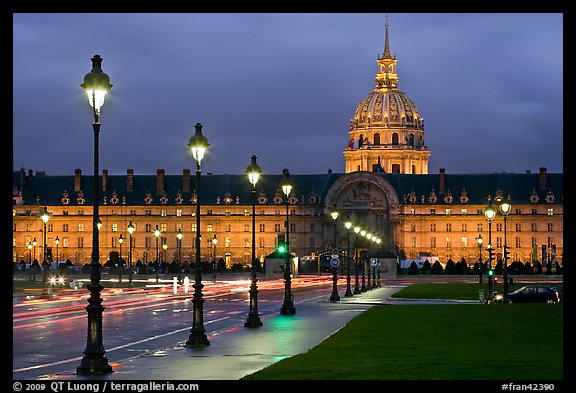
[(386, 108)]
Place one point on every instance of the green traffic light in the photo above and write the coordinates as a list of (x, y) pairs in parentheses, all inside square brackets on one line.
[(281, 249), (490, 272)]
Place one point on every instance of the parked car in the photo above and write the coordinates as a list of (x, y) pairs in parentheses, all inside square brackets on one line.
[(560, 290), (532, 294)]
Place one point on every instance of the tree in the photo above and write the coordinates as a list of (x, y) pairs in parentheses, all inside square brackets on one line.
[(427, 268), (413, 269), (437, 268), (450, 267), (221, 266)]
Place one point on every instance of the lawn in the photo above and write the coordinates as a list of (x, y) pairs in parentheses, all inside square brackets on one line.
[(460, 291), (436, 342)]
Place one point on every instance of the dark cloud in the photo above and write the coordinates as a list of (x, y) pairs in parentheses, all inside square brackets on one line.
[(284, 87)]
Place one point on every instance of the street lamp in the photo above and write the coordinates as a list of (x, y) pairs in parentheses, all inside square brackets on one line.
[(29, 246), (348, 293), (45, 217), (120, 263), (490, 213), (288, 303), (357, 257), (130, 231), (198, 145), (480, 241), (363, 287), (179, 236), (34, 243), (164, 248), (57, 241), (505, 208), (253, 171), (214, 242), (156, 234), (334, 296), (96, 84)]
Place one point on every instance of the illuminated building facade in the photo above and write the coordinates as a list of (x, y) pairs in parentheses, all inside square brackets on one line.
[(386, 189)]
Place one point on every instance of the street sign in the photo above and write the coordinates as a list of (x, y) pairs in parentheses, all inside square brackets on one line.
[(335, 262)]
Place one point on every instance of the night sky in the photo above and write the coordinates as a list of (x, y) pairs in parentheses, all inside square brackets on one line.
[(283, 86)]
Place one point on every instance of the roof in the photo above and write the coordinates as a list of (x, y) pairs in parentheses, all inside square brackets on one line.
[(309, 189)]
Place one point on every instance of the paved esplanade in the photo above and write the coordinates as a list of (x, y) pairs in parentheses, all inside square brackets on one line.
[(240, 351)]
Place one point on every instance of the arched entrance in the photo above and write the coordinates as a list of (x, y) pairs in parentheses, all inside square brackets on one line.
[(367, 200)]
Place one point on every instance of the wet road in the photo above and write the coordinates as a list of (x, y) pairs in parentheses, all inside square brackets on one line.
[(49, 336)]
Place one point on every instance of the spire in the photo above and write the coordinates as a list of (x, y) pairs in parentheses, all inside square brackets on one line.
[(386, 77), (387, 42)]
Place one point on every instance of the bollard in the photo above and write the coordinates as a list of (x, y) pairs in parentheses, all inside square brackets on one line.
[(186, 284), (175, 284)]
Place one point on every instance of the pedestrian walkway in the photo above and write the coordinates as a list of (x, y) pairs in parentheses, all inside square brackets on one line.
[(240, 351)]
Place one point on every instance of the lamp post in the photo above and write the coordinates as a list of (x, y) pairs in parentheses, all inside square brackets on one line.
[(505, 208), (198, 145), (34, 243), (334, 296), (214, 242), (490, 213), (357, 257), (179, 236), (29, 246), (253, 171), (164, 248), (288, 303), (363, 287), (57, 241), (45, 266), (96, 84), (479, 240), (156, 235), (121, 264), (130, 231), (369, 237), (348, 293)]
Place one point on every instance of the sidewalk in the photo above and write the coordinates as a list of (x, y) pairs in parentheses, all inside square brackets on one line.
[(240, 351)]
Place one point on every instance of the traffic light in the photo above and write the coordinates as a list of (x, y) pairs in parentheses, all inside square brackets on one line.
[(491, 272), (506, 252), (281, 247)]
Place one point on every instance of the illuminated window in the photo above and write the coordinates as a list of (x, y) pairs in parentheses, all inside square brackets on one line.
[(114, 227), (448, 211), (550, 211), (163, 212), (80, 227), (464, 241), (163, 227), (178, 212), (448, 242), (208, 227), (193, 227)]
